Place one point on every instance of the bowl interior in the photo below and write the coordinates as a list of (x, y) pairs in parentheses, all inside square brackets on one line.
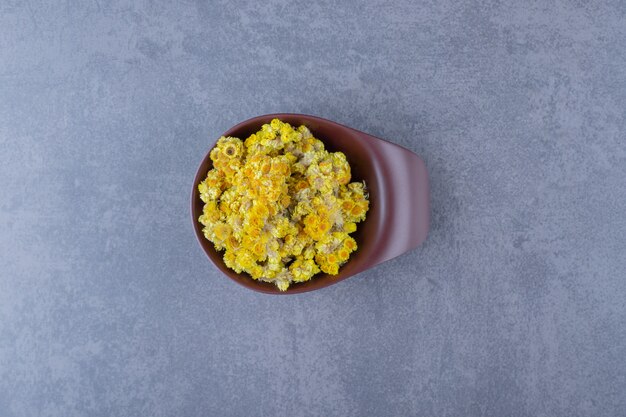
[(363, 165)]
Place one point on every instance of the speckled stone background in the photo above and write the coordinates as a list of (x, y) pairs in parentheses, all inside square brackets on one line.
[(514, 306)]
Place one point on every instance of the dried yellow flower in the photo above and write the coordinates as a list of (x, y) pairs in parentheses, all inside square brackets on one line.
[(280, 205)]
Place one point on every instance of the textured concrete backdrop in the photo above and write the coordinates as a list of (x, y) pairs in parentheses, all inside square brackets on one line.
[(515, 305)]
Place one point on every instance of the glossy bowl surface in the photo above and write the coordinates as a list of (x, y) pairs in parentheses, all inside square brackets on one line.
[(397, 182)]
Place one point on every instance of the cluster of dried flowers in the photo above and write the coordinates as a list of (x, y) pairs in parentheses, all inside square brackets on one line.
[(280, 205)]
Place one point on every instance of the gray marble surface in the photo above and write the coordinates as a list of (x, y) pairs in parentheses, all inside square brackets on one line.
[(514, 306)]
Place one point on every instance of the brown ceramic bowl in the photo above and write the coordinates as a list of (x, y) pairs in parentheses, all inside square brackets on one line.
[(397, 181)]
